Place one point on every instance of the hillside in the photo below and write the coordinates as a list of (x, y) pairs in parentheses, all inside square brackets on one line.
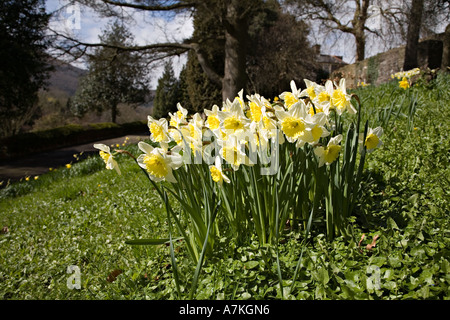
[(64, 79)]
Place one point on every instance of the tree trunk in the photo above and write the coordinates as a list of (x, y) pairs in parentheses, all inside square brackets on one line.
[(412, 38), (360, 40), (446, 50), (236, 31), (114, 113)]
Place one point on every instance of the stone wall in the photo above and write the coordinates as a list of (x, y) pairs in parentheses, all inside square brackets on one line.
[(379, 68)]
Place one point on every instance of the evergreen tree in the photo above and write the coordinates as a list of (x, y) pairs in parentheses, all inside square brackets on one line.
[(116, 75), (24, 64), (168, 93)]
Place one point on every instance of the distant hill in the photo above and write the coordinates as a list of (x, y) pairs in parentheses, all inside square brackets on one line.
[(64, 79)]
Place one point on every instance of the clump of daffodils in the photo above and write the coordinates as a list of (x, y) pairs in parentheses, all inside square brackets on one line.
[(405, 76), (242, 132)]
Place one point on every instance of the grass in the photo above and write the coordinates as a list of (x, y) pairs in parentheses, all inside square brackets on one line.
[(82, 216)]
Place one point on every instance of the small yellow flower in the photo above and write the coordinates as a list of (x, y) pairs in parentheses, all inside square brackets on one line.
[(36, 177), (404, 83), (68, 166), (27, 178)]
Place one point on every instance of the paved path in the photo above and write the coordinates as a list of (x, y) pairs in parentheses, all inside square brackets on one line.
[(38, 164)]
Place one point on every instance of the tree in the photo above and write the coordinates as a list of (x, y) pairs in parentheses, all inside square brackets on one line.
[(412, 40), (168, 93), (340, 15), (232, 15), (280, 52), (24, 66), (115, 76)]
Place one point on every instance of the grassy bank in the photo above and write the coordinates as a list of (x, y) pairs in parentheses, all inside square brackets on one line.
[(82, 216)]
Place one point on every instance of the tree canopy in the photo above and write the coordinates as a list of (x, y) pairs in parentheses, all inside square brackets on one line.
[(24, 63)]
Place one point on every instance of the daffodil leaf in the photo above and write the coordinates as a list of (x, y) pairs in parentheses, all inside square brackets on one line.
[(151, 242)]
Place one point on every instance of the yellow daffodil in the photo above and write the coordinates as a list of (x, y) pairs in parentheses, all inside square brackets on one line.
[(105, 154), (158, 130), (231, 152), (217, 173), (372, 140), (322, 101), (159, 162), (330, 153), (404, 83)]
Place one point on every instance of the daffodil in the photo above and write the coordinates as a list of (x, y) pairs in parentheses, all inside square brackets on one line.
[(234, 120), (330, 153), (105, 154), (178, 117), (311, 89), (212, 118), (292, 97), (293, 124), (217, 173), (158, 130), (231, 152), (372, 140), (404, 83), (159, 162), (322, 101), (340, 100)]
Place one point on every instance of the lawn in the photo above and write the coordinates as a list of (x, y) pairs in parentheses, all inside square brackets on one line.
[(79, 218)]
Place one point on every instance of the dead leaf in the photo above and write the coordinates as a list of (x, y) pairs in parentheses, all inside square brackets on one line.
[(113, 275)]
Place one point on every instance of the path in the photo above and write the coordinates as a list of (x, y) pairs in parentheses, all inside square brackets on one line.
[(38, 164)]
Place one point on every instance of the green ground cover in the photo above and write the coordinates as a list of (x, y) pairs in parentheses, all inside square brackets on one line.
[(82, 216)]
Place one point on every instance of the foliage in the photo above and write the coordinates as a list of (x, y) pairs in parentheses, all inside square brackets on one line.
[(168, 93), (52, 224), (115, 76), (24, 69)]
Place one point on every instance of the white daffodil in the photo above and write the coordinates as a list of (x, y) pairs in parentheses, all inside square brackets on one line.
[(293, 124), (231, 152), (315, 127), (105, 154), (322, 101), (311, 89), (178, 117), (217, 173), (292, 97), (329, 154), (373, 140), (212, 118), (340, 100), (159, 162), (233, 121), (158, 130)]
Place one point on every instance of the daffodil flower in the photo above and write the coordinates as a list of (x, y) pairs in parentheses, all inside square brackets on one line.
[(404, 84), (234, 120), (327, 155), (311, 90), (217, 173), (231, 152), (292, 97), (322, 101), (212, 118), (373, 140), (105, 154), (158, 130), (293, 123), (178, 117), (341, 100), (159, 162)]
